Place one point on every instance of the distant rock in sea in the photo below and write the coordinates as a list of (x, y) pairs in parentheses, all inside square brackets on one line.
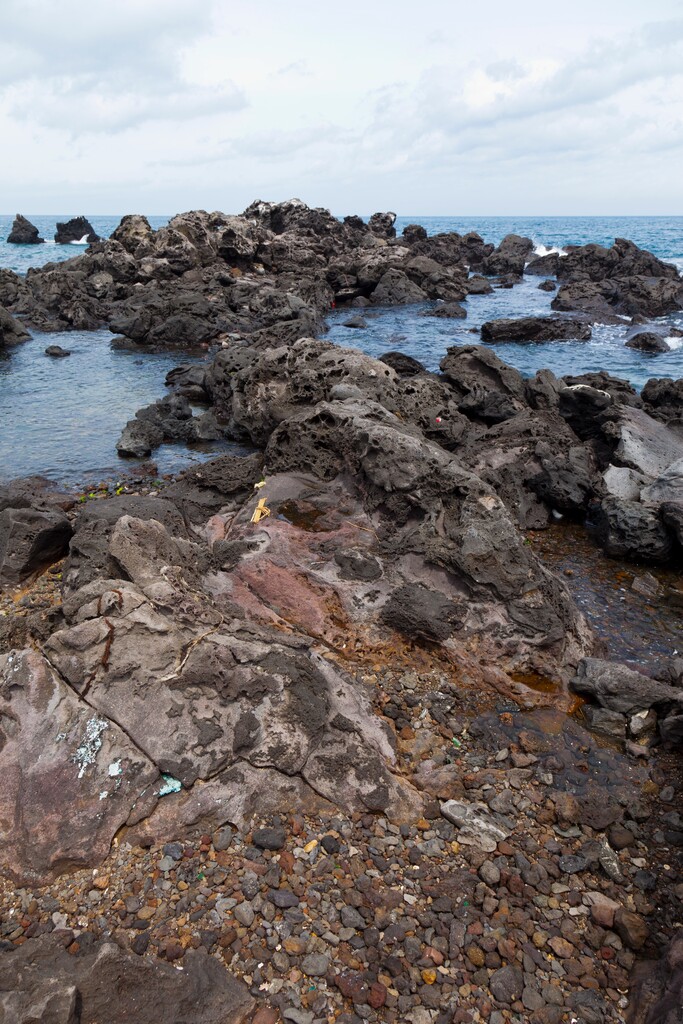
[(78, 229), (23, 232)]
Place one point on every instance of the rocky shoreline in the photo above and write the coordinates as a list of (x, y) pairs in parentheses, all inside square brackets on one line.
[(304, 715)]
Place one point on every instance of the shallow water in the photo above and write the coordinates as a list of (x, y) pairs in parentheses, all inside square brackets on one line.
[(406, 329), (61, 418), (632, 627)]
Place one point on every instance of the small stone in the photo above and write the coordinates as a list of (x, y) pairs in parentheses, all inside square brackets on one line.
[(315, 965), (244, 913), (561, 947), (572, 863), (507, 984), (475, 955), (223, 838), (428, 976), (489, 873), (269, 838), (631, 928), (351, 918), (173, 850), (620, 838), (667, 795), (166, 864), (330, 844)]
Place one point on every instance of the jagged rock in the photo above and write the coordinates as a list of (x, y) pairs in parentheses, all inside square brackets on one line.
[(485, 387), (627, 529), (414, 233), (667, 487), (535, 329), (248, 695), (169, 419), (396, 289), (30, 539), (657, 987), (77, 229), (619, 688), (11, 330), (647, 341), (70, 775), (621, 482), (448, 310), (23, 232), (509, 257), (41, 981), (663, 399)]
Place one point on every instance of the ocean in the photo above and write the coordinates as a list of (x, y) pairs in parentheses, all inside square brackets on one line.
[(61, 418)]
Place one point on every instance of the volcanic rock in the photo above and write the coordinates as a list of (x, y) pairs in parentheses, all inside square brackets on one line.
[(76, 230), (23, 232)]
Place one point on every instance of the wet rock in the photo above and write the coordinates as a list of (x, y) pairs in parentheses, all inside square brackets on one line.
[(509, 257), (620, 689), (357, 322), (535, 329), (647, 341), (23, 232), (56, 351), (448, 311), (11, 330), (627, 529), (655, 996), (78, 229)]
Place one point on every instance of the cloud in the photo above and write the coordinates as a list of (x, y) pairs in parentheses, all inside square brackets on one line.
[(92, 68)]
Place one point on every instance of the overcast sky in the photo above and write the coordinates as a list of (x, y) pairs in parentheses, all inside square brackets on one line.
[(428, 107)]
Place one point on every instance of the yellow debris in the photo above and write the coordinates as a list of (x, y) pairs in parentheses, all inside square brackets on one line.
[(261, 511)]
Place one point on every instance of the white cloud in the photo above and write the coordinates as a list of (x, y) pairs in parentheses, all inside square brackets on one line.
[(432, 108)]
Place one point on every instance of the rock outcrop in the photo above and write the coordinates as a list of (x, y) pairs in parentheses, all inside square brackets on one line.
[(78, 229), (23, 232)]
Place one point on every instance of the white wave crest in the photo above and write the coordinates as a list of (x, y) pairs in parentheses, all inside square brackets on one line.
[(674, 343), (541, 250), (81, 241)]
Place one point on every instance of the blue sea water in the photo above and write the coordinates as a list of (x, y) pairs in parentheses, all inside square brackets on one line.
[(62, 417)]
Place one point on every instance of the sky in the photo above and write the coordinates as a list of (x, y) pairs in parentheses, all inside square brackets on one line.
[(434, 107)]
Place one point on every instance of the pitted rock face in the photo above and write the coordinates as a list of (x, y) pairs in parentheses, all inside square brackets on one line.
[(71, 776)]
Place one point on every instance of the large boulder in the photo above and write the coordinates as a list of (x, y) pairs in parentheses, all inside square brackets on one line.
[(23, 232), (509, 257), (78, 229), (627, 529), (11, 330), (30, 540), (648, 341), (70, 776), (43, 982), (485, 387), (535, 329)]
